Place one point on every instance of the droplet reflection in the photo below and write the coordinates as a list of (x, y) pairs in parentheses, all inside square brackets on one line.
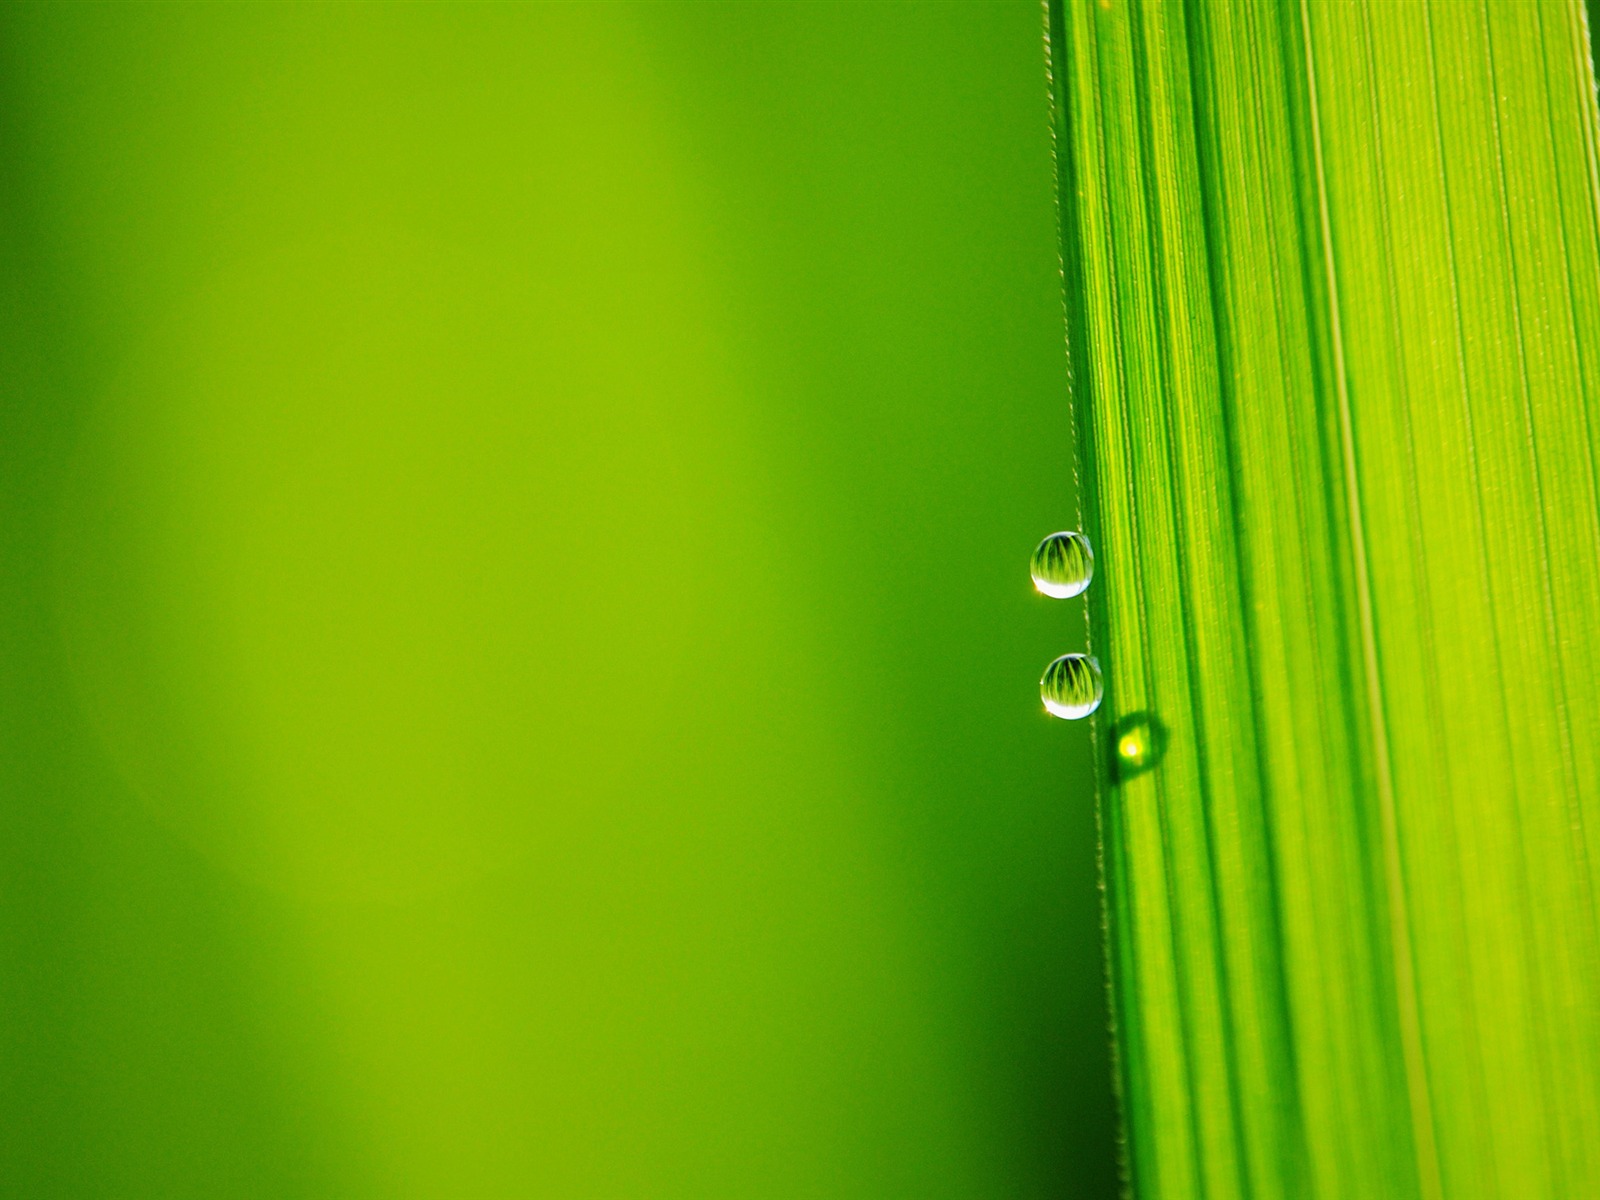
[(1071, 687), (1062, 565)]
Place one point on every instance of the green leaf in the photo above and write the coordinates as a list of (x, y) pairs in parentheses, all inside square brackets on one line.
[(1333, 295)]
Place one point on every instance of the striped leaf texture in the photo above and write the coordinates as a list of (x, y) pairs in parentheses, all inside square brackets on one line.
[(1332, 287)]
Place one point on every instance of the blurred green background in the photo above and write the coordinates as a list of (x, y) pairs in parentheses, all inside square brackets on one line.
[(518, 668)]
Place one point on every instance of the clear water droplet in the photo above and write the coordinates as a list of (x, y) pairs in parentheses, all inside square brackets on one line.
[(1062, 565), (1071, 686), (1138, 743)]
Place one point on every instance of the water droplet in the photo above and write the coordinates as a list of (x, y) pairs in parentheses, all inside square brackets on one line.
[(1138, 743), (1071, 686), (1062, 565)]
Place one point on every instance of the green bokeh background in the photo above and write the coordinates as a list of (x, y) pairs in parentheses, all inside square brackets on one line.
[(518, 670)]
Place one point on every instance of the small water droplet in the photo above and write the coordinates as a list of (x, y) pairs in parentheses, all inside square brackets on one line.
[(1071, 686), (1138, 743), (1063, 565)]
